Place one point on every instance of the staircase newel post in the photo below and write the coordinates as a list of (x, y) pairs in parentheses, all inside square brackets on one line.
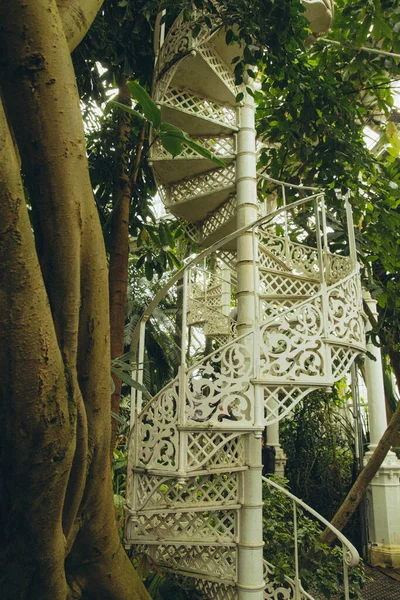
[(250, 582)]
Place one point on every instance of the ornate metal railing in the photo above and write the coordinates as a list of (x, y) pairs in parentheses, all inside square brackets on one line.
[(294, 590)]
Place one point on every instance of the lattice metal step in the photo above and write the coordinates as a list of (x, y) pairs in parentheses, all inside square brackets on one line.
[(205, 73), (206, 527), (195, 114), (192, 199), (215, 561), (189, 163), (200, 492)]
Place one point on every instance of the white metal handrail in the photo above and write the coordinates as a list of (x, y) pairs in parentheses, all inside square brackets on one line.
[(201, 256), (351, 557)]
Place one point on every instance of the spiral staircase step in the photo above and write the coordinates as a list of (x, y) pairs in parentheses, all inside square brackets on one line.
[(193, 199), (203, 72), (195, 114), (189, 163)]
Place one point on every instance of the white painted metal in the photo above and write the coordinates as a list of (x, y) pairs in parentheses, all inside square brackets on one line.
[(294, 589), (250, 582), (194, 500), (384, 490)]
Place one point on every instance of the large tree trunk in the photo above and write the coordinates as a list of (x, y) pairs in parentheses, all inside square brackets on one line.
[(56, 500)]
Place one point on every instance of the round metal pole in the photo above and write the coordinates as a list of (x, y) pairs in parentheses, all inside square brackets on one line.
[(250, 582)]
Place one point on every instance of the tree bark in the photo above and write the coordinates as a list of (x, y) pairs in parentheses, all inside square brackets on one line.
[(77, 16), (56, 499)]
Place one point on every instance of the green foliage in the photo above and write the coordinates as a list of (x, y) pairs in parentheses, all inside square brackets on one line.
[(172, 138), (318, 441), (321, 567), (161, 584)]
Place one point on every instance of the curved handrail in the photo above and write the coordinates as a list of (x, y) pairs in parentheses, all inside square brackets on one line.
[(206, 252), (351, 557), (273, 319)]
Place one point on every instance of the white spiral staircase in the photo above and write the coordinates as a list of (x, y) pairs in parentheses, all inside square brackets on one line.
[(194, 472)]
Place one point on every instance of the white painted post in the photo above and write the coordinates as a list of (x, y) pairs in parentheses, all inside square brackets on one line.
[(250, 581), (384, 491), (273, 440)]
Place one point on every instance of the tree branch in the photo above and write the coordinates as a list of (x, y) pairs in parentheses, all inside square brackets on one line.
[(77, 16)]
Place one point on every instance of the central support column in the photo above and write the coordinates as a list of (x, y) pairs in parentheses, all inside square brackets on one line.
[(250, 540)]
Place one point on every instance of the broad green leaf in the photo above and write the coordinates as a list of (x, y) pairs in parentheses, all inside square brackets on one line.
[(177, 138), (149, 107), (127, 379), (128, 109), (172, 142), (203, 151)]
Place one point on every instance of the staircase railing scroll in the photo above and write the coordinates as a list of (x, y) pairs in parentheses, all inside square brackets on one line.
[(350, 554)]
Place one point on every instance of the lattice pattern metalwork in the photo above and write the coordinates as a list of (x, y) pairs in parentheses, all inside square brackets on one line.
[(210, 55), (267, 260), (219, 217), (156, 433), (223, 147), (218, 389), (184, 527), (202, 184), (342, 358), (214, 449), (193, 231), (280, 400), (205, 303), (199, 107), (215, 590), (201, 491), (299, 258), (216, 561), (282, 284)]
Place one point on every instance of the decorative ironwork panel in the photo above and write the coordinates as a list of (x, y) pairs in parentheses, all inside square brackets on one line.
[(280, 400), (216, 449), (178, 40), (219, 390), (207, 183), (344, 310), (156, 430), (199, 107), (270, 307), (184, 527), (200, 491), (216, 561), (291, 346), (299, 258), (338, 267)]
